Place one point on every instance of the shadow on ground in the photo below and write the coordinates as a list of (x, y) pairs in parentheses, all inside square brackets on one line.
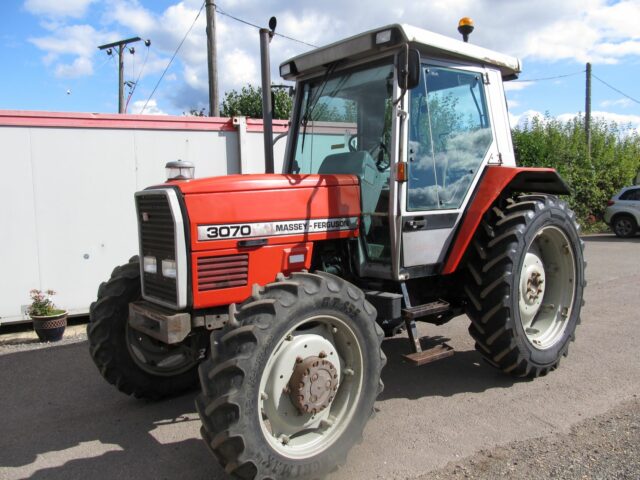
[(465, 371), (54, 402)]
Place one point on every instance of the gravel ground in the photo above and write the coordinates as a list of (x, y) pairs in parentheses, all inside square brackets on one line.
[(22, 338), (603, 447)]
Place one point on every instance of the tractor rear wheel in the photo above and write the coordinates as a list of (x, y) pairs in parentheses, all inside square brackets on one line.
[(525, 284), (135, 363), (292, 380)]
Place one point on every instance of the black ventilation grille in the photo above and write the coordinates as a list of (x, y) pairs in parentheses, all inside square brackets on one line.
[(157, 239)]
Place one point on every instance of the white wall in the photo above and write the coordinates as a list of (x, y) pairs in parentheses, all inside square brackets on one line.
[(67, 215)]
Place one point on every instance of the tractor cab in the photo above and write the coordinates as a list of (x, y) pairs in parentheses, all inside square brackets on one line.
[(417, 117)]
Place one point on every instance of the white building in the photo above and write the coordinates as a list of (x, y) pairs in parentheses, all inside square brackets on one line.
[(67, 215)]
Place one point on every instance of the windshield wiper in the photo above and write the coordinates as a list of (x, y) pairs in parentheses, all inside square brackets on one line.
[(311, 103)]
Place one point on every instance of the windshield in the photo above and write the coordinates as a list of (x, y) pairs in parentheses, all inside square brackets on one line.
[(343, 114)]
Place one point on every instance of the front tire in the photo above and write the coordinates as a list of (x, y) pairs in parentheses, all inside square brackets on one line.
[(525, 284), (136, 364), (290, 387)]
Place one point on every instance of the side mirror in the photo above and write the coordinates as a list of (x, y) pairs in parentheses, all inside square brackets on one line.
[(408, 68)]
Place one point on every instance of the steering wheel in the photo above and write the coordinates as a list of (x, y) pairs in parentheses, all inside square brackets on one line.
[(382, 164)]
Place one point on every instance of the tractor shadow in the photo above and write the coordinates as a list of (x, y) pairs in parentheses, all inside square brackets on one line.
[(463, 372), (61, 420)]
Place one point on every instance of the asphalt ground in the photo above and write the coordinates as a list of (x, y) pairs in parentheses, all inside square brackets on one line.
[(60, 420)]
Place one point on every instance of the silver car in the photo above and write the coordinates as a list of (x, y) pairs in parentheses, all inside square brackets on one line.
[(623, 212)]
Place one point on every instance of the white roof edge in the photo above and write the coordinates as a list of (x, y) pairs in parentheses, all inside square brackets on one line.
[(507, 63), (431, 42)]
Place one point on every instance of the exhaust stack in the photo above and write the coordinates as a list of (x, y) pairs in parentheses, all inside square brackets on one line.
[(267, 108)]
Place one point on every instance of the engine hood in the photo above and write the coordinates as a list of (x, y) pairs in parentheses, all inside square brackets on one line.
[(243, 183)]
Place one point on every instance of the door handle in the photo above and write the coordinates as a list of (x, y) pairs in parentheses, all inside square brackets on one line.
[(416, 224)]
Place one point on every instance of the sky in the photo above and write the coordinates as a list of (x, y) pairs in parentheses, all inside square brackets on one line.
[(51, 61)]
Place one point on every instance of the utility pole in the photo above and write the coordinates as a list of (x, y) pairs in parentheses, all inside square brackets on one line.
[(212, 57), (587, 111), (119, 46)]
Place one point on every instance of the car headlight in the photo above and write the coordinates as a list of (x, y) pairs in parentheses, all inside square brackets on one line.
[(169, 268), (149, 264)]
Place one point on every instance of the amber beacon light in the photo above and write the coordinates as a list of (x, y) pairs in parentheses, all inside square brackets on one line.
[(465, 27)]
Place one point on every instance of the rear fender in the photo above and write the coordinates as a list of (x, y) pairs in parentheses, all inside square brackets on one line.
[(495, 181)]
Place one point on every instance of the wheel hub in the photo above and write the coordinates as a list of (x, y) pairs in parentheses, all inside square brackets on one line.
[(535, 285), (313, 384), (532, 286)]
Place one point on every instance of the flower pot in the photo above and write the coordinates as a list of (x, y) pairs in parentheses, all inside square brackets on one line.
[(50, 328)]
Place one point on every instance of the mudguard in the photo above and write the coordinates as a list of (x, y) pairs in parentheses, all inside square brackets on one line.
[(496, 180)]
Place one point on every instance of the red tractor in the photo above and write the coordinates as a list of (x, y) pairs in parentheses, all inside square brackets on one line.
[(400, 193)]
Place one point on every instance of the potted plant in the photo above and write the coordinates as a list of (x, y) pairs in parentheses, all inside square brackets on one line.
[(49, 322)]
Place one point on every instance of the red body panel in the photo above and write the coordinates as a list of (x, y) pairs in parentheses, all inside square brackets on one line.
[(261, 198), (493, 182)]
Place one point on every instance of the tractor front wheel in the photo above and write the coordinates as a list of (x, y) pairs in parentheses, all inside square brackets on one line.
[(525, 285), (135, 363), (291, 385)]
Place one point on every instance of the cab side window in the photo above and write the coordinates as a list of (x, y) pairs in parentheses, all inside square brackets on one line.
[(449, 137)]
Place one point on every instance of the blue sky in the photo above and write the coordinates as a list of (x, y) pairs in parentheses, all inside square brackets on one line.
[(50, 60)]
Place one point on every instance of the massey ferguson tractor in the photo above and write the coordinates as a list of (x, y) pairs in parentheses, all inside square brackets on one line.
[(399, 202)]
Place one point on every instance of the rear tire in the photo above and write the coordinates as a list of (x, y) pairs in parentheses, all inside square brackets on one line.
[(249, 420), (525, 284), (624, 226), (119, 351)]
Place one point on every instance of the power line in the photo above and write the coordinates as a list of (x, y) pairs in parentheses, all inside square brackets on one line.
[(549, 78), (172, 57), (615, 89), (133, 89), (221, 12)]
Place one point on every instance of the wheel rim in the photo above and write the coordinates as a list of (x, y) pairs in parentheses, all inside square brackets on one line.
[(158, 358), (299, 434), (547, 287), (624, 227)]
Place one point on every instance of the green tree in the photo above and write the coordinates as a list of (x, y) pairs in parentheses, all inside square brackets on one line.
[(613, 164), (248, 102)]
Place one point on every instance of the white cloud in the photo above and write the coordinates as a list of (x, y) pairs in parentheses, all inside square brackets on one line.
[(75, 41), (514, 86), (151, 109), (58, 8), (620, 102), (622, 120), (627, 123), (525, 117), (546, 30), (81, 66)]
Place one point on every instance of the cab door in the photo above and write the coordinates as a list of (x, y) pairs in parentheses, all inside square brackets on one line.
[(450, 139)]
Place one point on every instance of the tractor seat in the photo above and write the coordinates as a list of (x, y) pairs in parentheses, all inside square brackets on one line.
[(362, 165)]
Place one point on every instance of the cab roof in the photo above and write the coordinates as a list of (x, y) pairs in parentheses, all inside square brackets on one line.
[(430, 44)]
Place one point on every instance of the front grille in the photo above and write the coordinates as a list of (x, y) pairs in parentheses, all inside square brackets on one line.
[(157, 239), (222, 272)]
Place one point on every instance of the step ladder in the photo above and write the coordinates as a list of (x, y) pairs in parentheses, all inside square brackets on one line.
[(421, 356)]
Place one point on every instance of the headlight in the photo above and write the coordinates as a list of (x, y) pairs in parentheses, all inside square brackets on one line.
[(149, 264), (169, 268)]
